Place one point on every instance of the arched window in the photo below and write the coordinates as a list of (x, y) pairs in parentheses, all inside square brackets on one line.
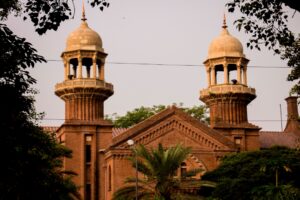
[(73, 68)]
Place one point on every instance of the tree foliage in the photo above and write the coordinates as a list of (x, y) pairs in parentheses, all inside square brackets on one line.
[(159, 168), (44, 14), (264, 174), (142, 113), (267, 23), (31, 159)]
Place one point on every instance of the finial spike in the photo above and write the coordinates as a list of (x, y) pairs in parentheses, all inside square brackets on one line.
[(224, 21), (83, 12)]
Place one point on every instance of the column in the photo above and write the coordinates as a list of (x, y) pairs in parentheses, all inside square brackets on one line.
[(66, 69), (102, 71), (79, 67), (208, 75), (94, 66), (213, 74), (245, 75), (226, 78), (239, 73)]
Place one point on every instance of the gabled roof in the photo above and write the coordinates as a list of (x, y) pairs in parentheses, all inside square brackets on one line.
[(170, 115)]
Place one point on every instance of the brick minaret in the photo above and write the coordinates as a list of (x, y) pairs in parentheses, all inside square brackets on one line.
[(228, 94), (84, 91)]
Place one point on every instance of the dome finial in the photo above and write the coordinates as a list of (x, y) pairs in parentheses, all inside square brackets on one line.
[(83, 12), (224, 21)]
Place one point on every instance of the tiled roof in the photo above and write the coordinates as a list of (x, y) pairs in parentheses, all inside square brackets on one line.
[(271, 138)]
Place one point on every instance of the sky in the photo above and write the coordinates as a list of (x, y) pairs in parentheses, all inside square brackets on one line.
[(173, 32)]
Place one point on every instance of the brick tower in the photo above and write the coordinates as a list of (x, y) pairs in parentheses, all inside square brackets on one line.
[(228, 94), (84, 91)]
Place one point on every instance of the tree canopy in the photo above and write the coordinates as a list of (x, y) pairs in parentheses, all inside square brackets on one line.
[(266, 174), (142, 113), (45, 15), (32, 159), (267, 23)]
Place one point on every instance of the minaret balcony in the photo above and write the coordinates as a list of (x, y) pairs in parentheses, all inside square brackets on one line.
[(84, 86), (227, 89)]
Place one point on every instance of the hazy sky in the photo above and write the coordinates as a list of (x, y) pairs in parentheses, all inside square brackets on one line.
[(157, 31)]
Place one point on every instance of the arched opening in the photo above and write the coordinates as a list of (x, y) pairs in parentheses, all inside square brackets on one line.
[(73, 68), (232, 74), (86, 67), (219, 70)]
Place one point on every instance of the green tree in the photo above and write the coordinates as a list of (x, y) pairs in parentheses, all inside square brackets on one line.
[(31, 159), (140, 114), (159, 168), (45, 15), (264, 174), (267, 23)]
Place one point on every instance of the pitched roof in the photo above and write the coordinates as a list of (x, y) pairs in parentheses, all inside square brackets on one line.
[(271, 138)]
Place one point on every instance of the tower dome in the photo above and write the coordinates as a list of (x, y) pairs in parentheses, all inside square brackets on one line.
[(84, 38), (225, 45)]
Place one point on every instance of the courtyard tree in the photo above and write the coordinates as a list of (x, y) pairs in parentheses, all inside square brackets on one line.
[(267, 23), (142, 113), (265, 174), (159, 168)]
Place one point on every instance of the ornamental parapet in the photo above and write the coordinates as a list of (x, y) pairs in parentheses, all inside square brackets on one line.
[(227, 88)]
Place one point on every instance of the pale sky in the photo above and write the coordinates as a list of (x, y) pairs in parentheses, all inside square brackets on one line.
[(157, 31)]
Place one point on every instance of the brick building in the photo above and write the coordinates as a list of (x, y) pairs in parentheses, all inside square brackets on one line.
[(100, 150)]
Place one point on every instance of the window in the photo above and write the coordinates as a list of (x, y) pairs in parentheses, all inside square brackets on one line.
[(88, 156), (88, 191), (88, 148), (109, 178)]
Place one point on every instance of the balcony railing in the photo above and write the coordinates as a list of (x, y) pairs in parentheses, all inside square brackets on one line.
[(227, 88), (85, 83)]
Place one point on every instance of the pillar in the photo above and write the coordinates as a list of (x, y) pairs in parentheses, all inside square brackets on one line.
[(79, 67), (239, 74), (102, 72), (94, 67), (208, 75), (245, 75), (66, 69), (226, 78), (213, 74)]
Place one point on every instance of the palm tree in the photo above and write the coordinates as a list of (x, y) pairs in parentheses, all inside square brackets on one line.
[(159, 167)]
